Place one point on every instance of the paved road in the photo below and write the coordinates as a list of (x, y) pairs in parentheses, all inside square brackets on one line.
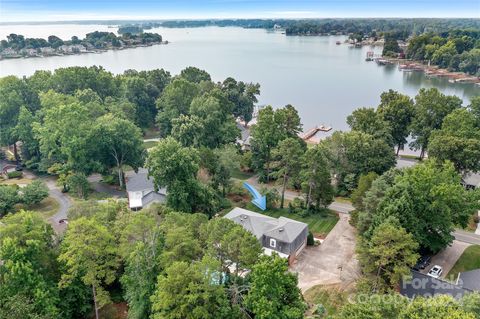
[(341, 207), (467, 237)]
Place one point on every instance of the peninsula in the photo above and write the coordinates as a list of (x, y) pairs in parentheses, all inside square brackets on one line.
[(17, 46)]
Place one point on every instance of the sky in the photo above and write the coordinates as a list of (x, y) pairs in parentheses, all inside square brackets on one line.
[(64, 10)]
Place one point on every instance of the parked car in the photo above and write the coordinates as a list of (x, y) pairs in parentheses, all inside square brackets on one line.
[(19, 168), (422, 263), (436, 271), (63, 221)]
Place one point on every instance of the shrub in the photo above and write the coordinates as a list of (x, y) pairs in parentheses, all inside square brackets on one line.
[(110, 179), (15, 174), (34, 193), (310, 239)]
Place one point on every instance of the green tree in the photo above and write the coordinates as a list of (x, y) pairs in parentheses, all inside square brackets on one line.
[(8, 198), (397, 110), (273, 291), (458, 140), (141, 245), (175, 167), (243, 96), (143, 95), (188, 129), (28, 265), (441, 306), (429, 202), (119, 142), (367, 120), (230, 244), (431, 107), (174, 101), (218, 125), (190, 291), (195, 75), (388, 255), (288, 155), (34, 193), (364, 184), (316, 178), (89, 252), (23, 131), (355, 153)]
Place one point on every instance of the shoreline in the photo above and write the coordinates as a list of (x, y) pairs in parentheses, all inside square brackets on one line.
[(408, 65), (94, 51)]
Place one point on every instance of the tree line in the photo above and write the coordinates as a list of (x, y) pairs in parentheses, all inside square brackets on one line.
[(96, 39), (456, 50)]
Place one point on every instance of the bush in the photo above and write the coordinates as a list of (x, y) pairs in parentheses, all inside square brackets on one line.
[(297, 206), (110, 179), (310, 239), (34, 193), (79, 184), (15, 174), (246, 161)]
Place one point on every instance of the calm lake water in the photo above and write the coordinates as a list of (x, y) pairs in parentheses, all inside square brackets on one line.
[(324, 81)]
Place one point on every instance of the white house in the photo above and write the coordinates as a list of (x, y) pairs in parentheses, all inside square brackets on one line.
[(141, 191)]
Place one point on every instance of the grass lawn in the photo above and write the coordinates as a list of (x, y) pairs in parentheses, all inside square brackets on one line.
[(15, 181), (47, 207), (149, 144), (320, 224), (409, 156), (344, 200), (241, 175), (469, 260), (330, 297)]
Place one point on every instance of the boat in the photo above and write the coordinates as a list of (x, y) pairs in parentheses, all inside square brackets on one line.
[(338, 43)]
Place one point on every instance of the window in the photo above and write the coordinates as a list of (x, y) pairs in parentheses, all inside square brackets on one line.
[(273, 243)]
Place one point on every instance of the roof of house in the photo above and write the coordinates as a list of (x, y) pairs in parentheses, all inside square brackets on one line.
[(283, 229), (472, 179), (140, 181), (153, 197), (470, 280), (426, 286)]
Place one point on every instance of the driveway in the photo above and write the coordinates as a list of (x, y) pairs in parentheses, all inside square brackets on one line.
[(333, 262), (448, 257)]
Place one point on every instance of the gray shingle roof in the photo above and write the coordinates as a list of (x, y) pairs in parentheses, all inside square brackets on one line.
[(284, 229), (426, 286), (140, 181), (153, 197), (470, 280)]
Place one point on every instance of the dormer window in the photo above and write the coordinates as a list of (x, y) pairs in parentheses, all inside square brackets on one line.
[(273, 243)]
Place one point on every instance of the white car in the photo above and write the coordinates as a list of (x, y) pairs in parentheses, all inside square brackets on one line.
[(436, 271)]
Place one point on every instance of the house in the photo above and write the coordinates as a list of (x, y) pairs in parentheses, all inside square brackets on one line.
[(245, 139), (47, 51), (9, 53), (471, 180), (421, 285), (141, 191), (285, 236), (469, 280), (426, 286)]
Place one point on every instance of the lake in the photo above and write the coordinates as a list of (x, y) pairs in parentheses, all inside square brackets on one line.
[(324, 81)]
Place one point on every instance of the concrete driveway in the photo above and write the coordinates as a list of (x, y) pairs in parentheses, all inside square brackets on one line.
[(447, 258), (333, 262)]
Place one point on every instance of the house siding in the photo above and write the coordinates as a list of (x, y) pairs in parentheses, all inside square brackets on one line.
[(287, 248)]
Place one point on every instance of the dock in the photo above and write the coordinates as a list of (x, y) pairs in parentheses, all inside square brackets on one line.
[(316, 134)]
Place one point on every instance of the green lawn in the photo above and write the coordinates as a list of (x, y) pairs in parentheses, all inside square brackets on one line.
[(47, 207), (320, 224), (469, 260), (331, 298), (149, 144), (241, 175)]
